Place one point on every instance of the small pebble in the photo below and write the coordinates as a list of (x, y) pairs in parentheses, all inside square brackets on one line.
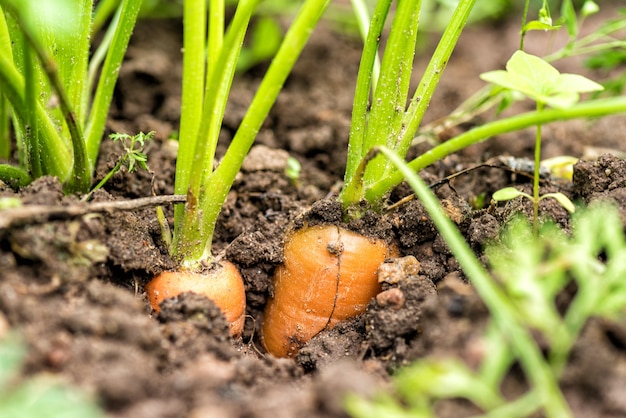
[(392, 297), (397, 269)]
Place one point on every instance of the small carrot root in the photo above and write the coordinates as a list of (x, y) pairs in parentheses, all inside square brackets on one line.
[(223, 285), (329, 275)]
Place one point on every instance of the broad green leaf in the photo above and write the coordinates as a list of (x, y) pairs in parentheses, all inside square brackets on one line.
[(575, 83), (540, 81), (525, 73), (532, 70), (501, 78)]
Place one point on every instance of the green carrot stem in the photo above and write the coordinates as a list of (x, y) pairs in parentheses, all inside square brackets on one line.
[(221, 180), (220, 75), (13, 86), (194, 47), (192, 241), (102, 12), (5, 143), (428, 84), (388, 122), (108, 78), (32, 146), (80, 177), (358, 126), (73, 63), (363, 21), (216, 34), (385, 121), (99, 55), (5, 140)]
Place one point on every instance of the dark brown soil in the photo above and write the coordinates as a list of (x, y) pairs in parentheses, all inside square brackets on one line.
[(74, 287)]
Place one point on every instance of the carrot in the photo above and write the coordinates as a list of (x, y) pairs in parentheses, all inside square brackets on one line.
[(223, 285), (328, 275)]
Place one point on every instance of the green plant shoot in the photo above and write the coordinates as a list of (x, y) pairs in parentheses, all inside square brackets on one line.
[(293, 170), (132, 158), (541, 82), (48, 80)]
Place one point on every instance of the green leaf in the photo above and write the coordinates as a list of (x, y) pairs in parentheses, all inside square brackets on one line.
[(508, 193), (537, 25), (531, 69), (501, 78), (575, 83), (540, 81), (531, 273), (561, 100), (525, 73), (562, 199)]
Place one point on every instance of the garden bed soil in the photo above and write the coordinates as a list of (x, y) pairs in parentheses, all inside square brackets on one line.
[(73, 285)]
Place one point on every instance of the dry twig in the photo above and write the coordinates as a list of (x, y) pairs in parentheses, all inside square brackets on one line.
[(41, 213)]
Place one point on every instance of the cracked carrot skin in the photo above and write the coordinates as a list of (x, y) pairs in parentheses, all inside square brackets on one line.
[(223, 285), (329, 274)]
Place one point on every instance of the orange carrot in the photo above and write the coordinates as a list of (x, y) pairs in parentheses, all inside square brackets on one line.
[(328, 275), (224, 286)]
